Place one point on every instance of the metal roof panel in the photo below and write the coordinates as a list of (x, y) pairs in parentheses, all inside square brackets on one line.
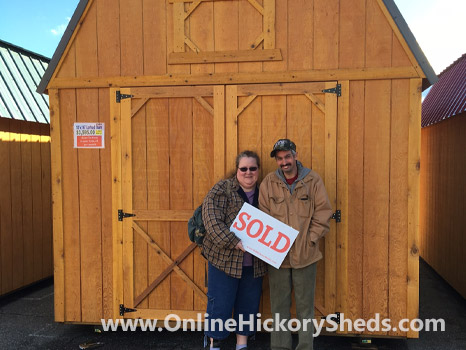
[(16, 85), (447, 97), (20, 73), (3, 109)]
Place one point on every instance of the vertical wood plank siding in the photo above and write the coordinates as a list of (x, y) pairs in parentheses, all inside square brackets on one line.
[(133, 39), (442, 224), (25, 204)]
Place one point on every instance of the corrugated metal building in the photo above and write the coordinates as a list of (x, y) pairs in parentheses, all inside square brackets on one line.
[(447, 97), (443, 184), (25, 196)]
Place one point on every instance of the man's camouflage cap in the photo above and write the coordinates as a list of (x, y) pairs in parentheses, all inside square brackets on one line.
[(283, 145)]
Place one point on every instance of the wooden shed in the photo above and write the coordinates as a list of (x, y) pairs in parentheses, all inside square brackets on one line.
[(25, 189), (443, 185), (183, 85)]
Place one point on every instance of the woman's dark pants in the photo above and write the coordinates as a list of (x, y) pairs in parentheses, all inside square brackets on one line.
[(228, 295)]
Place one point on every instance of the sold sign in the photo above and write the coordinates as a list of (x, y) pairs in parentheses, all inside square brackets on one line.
[(262, 235)]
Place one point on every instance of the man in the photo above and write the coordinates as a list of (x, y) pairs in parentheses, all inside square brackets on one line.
[(296, 196)]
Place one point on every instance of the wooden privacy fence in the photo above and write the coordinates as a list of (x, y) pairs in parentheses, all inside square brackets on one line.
[(25, 204)]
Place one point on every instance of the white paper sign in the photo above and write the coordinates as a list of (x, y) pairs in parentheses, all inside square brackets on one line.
[(89, 135), (262, 235)]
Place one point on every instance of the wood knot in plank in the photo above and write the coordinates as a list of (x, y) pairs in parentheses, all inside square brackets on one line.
[(414, 250)]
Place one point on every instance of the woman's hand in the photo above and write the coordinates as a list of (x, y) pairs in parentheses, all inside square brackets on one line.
[(240, 246)]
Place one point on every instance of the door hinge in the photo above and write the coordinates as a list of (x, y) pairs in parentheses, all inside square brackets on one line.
[(335, 90), (120, 96), (122, 215), (337, 216), (335, 317), (124, 310)]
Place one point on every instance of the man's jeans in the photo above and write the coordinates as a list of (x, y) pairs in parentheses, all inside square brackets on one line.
[(226, 293), (303, 281)]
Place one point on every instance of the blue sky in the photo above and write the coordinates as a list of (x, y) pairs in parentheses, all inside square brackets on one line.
[(438, 25), (36, 25)]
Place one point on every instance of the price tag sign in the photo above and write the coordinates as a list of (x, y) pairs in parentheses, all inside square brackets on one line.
[(89, 135)]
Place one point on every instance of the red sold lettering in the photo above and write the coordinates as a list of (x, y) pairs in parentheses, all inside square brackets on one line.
[(264, 236), (280, 245), (243, 223), (259, 231), (275, 245)]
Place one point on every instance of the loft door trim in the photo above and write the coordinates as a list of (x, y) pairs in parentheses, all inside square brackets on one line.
[(181, 41)]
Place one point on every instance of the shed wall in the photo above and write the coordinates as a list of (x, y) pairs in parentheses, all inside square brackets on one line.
[(377, 271), (381, 175), (83, 237), (442, 225), (25, 204)]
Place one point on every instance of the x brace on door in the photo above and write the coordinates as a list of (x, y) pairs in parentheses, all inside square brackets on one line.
[(172, 267)]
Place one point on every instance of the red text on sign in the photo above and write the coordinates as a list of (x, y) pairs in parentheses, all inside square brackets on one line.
[(255, 229)]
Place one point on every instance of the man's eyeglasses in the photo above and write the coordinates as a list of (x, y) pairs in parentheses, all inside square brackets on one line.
[(244, 169)]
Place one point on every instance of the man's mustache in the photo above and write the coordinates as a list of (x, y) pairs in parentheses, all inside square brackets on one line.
[(284, 165)]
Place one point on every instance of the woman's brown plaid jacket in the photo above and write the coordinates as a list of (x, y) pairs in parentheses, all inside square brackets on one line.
[(219, 210)]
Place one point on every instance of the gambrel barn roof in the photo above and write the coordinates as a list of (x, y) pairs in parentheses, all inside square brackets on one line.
[(391, 11)]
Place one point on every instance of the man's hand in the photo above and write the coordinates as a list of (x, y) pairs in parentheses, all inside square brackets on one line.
[(240, 246)]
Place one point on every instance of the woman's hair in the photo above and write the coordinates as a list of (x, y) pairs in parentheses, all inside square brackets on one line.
[(248, 154)]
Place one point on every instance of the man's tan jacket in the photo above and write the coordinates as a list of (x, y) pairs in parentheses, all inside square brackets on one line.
[(304, 206)]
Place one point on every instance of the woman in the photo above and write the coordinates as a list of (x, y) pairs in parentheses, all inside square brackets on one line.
[(234, 276)]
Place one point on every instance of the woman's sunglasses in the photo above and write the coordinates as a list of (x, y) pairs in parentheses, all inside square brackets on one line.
[(244, 169)]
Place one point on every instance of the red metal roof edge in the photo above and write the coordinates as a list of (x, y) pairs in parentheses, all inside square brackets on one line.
[(447, 97)]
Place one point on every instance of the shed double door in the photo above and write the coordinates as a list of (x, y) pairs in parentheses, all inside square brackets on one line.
[(174, 143)]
